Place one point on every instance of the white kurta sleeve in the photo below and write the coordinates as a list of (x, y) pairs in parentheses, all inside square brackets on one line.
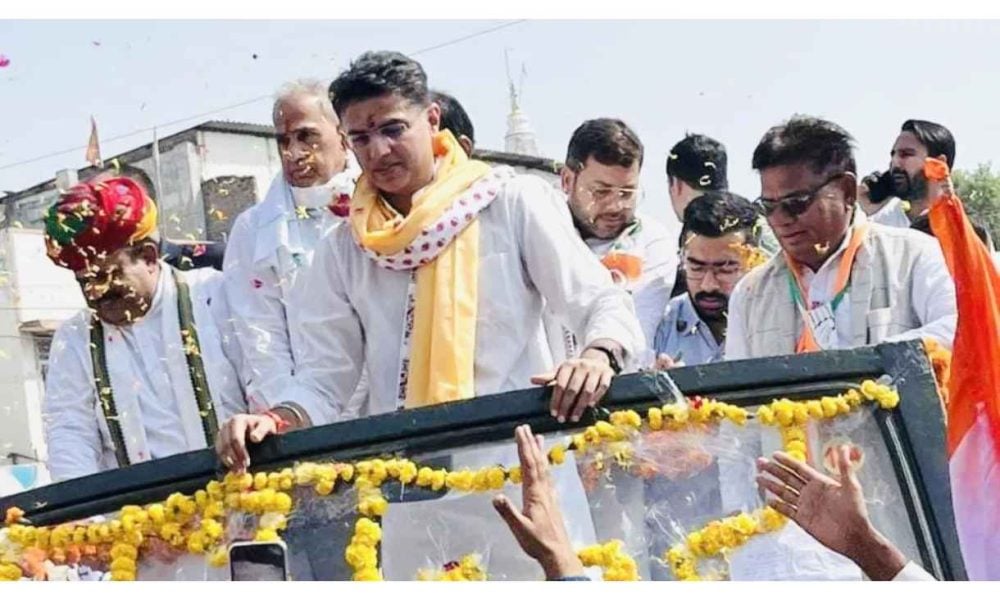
[(737, 346), (69, 409), (572, 280), (330, 352), (259, 319), (651, 296), (932, 295)]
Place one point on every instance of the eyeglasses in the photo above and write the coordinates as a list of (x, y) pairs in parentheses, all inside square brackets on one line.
[(609, 194), (797, 204), (724, 272)]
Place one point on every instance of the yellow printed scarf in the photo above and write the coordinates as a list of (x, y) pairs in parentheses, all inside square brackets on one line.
[(442, 347)]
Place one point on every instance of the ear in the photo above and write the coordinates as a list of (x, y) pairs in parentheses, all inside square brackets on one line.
[(466, 144), (850, 188), (150, 253), (434, 116), (567, 178)]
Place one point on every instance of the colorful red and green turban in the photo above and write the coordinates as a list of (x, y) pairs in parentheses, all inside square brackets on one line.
[(96, 218)]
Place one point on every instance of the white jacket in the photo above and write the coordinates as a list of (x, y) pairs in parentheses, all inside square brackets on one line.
[(151, 385)]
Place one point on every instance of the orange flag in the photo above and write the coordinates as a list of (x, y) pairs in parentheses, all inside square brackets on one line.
[(94, 145), (974, 383)]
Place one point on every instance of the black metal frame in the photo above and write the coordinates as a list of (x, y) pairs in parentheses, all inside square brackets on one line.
[(914, 434)]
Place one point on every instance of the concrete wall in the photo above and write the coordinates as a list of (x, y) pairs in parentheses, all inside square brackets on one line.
[(32, 290), (228, 154)]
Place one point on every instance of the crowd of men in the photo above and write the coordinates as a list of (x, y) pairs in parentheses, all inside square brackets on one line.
[(388, 269)]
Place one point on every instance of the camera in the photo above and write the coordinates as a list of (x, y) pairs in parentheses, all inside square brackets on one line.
[(880, 186)]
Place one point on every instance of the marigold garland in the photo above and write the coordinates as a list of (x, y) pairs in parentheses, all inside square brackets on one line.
[(195, 523), (615, 563)]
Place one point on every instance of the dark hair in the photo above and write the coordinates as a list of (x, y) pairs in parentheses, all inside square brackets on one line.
[(608, 141), (453, 116), (923, 223), (375, 74), (700, 162), (822, 145), (715, 214), (936, 138)]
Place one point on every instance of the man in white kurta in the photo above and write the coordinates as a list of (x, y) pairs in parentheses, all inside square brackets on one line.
[(394, 290), (271, 243), (152, 362), (601, 183)]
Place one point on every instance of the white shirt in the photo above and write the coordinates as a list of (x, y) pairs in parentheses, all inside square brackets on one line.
[(891, 213), (932, 294), (658, 250), (350, 311), (269, 245), (150, 382)]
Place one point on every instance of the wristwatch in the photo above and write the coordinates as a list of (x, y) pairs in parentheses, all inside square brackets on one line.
[(612, 359)]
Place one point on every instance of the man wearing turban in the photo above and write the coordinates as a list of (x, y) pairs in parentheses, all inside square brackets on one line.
[(147, 370)]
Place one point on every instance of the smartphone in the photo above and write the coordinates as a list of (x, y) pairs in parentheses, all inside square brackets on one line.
[(880, 186), (258, 561)]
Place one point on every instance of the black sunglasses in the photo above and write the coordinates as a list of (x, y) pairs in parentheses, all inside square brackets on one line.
[(797, 204)]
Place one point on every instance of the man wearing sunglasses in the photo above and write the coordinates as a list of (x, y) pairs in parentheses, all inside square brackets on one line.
[(601, 182), (840, 281), (719, 237), (438, 279)]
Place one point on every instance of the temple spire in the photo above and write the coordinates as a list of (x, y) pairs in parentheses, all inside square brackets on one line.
[(520, 138)]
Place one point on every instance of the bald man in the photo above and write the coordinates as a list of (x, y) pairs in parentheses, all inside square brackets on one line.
[(272, 243)]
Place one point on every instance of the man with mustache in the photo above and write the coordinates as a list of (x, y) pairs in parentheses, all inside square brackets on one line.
[(719, 236), (438, 281), (601, 182), (272, 243), (907, 185), (840, 281), (150, 369)]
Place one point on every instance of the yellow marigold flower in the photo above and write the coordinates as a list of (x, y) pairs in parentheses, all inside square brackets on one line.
[(157, 514), (888, 399), (514, 475), (580, 442), (606, 430), (784, 412), (694, 540), (655, 416), (281, 503), (438, 479), (79, 535), (234, 500), (744, 523), (870, 389), (842, 406), (557, 454), (770, 519), (424, 475), (265, 535), (214, 490), (495, 478), (259, 481), (305, 473), (360, 556), (212, 528), (10, 572), (407, 472), (214, 510), (801, 413), (369, 574), (368, 529), (324, 487), (187, 507), (379, 473), (122, 575), (347, 473), (590, 556), (829, 407), (799, 456), (196, 543), (815, 409), (854, 397), (736, 414), (123, 563), (219, 557), (765, 415), (795, 446), (14, 515), (681, 414), (789, 434), (124, 550), (250, 502)]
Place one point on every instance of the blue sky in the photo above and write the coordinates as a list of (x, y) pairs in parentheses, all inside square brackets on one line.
[(729, 79)]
